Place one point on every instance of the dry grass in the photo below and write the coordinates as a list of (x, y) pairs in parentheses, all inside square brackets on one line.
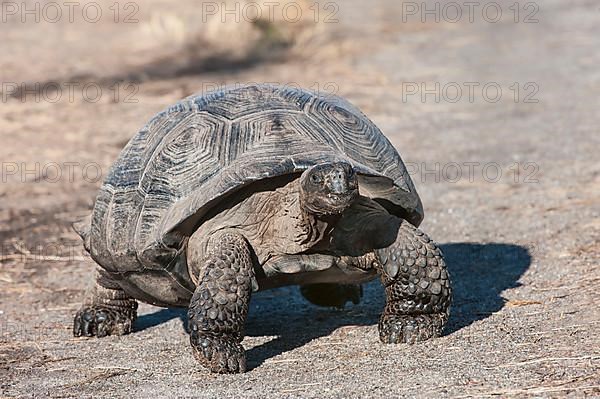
[(185, 41), (199, 43), (239, 35)]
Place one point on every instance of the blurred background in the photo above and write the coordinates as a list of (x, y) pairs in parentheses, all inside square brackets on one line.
[(493, 106)]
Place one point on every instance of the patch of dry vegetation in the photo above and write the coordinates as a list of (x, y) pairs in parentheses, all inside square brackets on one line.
[(212, 36), (193, 43)]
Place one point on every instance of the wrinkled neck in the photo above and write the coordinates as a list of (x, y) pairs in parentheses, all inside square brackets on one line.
[(309, 228)]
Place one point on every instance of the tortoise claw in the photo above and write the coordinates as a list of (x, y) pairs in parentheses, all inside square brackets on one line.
[(219, 355), (396, 329), (101, 321)]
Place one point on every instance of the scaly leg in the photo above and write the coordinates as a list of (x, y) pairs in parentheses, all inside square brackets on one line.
[(219, 306), (417, 288), (107, 310)]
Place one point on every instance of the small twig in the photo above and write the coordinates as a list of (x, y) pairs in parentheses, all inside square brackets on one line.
[(548, 359), (560, 287), (329, 343), (282, 361), (100, 376), (56, 369), (537, 390), (304, 386), (517, 303), (115, 368)]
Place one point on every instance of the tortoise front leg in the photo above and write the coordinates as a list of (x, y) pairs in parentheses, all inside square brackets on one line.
[(106, 310), (417, 288), (219, 306)]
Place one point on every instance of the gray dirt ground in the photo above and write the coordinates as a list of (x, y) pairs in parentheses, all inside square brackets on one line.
[(523, 251)]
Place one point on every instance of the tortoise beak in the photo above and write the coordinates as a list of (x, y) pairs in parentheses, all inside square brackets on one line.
[(341, 180)]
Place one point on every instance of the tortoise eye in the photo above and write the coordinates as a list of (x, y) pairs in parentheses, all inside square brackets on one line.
[(315, 178)]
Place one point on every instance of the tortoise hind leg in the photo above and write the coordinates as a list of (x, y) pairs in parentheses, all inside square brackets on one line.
[(331, 294), (417, 288), (107, 310), (219, 306)]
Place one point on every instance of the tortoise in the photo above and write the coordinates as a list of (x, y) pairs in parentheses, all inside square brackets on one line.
[(249, 188)]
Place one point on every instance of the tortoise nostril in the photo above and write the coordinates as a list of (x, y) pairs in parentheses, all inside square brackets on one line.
[(338, 183)]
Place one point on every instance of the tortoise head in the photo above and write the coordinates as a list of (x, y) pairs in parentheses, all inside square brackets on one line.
[(328, 188)]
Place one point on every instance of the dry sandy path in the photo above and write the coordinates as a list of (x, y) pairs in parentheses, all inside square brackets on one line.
[(523, 248)]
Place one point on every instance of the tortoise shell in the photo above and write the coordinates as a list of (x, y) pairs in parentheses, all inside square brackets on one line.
[(206, 147)]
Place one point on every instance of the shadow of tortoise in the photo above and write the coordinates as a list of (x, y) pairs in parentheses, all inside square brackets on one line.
[(479, 273)]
